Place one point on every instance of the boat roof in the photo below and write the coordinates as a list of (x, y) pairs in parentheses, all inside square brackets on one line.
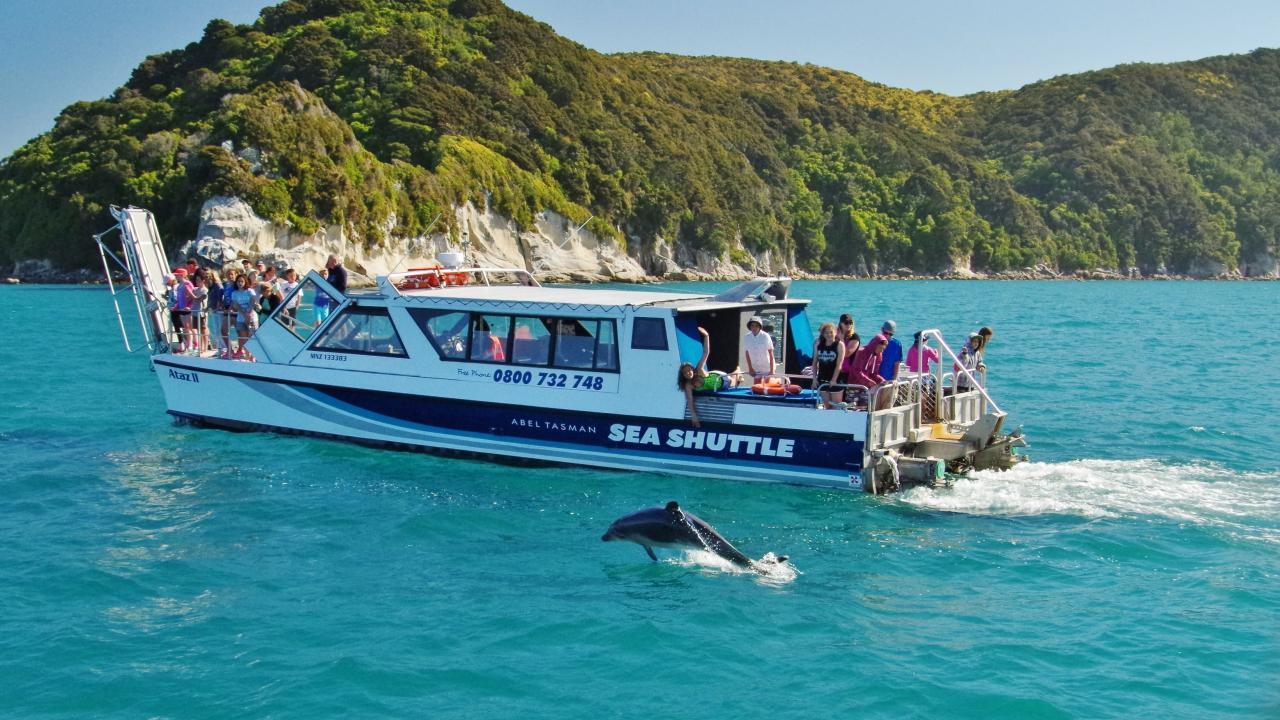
[(529, 293), (598, 297)]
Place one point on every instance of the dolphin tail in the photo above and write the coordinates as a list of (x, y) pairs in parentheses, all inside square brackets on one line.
[(721, 547)]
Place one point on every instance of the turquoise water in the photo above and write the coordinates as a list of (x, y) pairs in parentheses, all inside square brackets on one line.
[(1131, 571)]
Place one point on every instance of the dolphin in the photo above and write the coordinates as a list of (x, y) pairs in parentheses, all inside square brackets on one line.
[(672, 527)]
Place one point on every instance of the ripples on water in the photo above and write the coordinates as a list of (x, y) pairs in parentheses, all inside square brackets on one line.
[(155, 570)]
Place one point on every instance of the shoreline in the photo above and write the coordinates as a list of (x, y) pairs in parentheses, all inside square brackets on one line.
[(85, 277)]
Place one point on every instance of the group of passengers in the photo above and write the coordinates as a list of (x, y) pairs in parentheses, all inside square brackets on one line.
[(840, 359), (219, 311)]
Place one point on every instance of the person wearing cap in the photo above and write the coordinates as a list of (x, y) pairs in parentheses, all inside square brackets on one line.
[(892, 354), (920, 354), (182, 297), (758, 347), (845, 332), (970, 359)]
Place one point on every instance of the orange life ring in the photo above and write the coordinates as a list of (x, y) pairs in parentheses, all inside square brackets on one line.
[(794, 389), (455, 278), (768, 389)]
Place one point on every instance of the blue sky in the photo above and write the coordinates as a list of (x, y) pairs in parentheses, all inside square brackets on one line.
[(54, 52)]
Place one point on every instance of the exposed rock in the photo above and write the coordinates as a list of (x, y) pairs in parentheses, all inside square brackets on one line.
[(43, 271), (1261, 265), (555, 249), (1207, 268)]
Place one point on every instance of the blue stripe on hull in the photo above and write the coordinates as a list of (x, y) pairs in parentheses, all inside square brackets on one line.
[(614, 432), (421, 423)]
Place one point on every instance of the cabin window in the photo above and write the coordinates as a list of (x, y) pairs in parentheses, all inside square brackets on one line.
[(531, 341), (570, 343), (576, 343), (649, 334), (363, 330), (305, 309), (585, 344), (607, 347), (449, 332), (490, 338)]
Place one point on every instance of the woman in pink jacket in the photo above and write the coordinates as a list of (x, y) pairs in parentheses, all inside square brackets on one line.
[(920, 351)]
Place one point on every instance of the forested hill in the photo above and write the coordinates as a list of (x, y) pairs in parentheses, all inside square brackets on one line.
[(377, 114)]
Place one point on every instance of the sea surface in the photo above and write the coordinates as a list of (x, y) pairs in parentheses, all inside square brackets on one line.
[(1131, 570)]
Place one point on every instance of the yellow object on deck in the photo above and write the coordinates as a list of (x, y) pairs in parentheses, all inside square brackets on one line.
[(938, 431)]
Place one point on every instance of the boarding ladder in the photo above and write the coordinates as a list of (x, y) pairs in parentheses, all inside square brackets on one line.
[(143, 258)]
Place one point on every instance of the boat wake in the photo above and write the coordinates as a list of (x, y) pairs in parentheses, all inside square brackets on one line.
[(767, 570), (1246, 503)]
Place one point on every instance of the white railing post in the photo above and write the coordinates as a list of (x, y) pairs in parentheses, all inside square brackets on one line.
[(956, 360)]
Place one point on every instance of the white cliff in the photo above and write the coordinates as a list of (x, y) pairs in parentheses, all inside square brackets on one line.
[(554, 250)]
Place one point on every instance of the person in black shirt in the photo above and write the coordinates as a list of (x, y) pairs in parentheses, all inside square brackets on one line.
[(337, 274), (828, 358)]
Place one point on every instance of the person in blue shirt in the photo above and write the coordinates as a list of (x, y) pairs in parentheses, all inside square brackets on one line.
[(892, 352)]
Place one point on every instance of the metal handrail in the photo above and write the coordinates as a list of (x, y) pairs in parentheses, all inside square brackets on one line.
[(103, 252), (843, 387), (935, 333)]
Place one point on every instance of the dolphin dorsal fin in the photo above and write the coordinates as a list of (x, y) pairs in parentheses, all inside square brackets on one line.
[(673, 506)]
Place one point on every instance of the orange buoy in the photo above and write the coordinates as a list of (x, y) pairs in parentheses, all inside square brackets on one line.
[(793, 389)]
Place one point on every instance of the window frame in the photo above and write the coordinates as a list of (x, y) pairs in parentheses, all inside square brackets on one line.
[(423, 315), (666, 341), (302, 284), (368, 311), (471, 335)]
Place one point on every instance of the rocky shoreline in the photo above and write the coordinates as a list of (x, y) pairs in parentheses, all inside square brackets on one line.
[(554, 249), (42, 273)]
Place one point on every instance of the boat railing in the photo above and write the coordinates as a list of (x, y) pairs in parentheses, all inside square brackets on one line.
[(142, 258), (977, 385), (434, 278)]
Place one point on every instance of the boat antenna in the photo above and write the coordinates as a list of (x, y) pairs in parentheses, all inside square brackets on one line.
[(406, 254)]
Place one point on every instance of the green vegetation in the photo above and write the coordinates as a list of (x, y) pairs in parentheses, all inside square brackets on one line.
[(378, 114)]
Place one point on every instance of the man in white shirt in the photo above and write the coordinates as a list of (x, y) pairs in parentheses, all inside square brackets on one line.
[(758, 347)]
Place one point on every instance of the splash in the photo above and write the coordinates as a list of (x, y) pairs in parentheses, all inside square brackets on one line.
[(1198, 493), (768, 570)]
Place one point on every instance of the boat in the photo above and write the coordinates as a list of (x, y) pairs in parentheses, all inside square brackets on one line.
[(486, 361)]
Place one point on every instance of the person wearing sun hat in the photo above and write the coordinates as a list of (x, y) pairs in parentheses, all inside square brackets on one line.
[(892, 354), (758, 347)]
